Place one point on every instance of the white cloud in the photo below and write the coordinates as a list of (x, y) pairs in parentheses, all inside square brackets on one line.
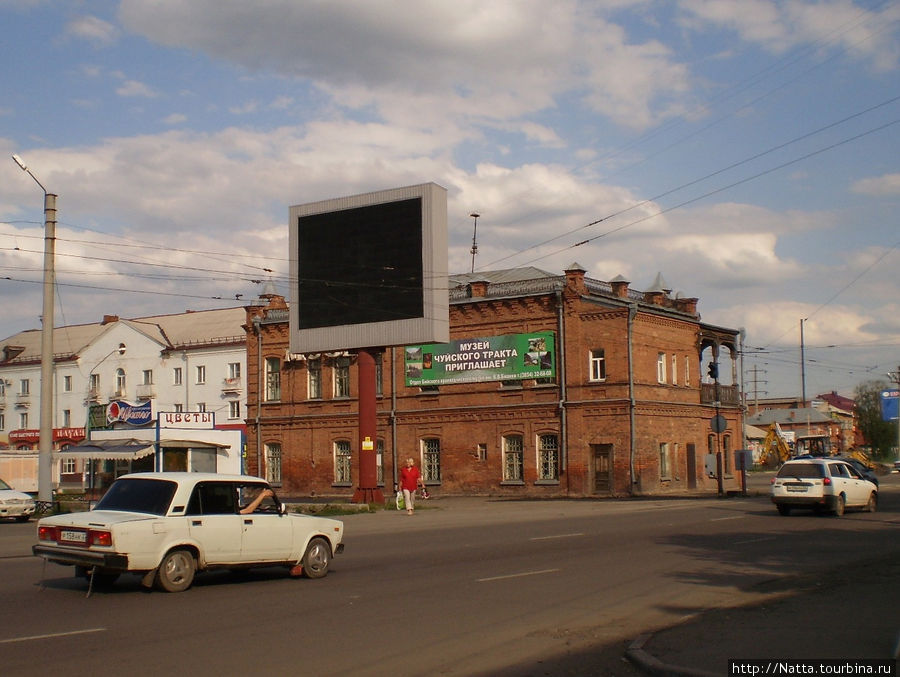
[(133, 88), (888, 184), (97, 31)]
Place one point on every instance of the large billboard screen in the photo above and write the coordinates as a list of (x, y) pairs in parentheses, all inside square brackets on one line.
[(890, 405), (509, 357), (369, 270)]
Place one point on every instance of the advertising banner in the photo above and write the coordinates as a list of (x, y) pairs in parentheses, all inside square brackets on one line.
[(890, 405), (510, 357)]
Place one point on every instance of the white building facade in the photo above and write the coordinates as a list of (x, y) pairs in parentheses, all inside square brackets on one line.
[(188, 362)]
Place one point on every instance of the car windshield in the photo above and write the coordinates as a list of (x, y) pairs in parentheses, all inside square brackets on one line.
[(802, 470), (4, 485), (136, 495)]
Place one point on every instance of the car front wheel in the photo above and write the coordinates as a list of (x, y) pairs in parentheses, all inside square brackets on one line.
[(316, 559), (872, 503), (176, 571)]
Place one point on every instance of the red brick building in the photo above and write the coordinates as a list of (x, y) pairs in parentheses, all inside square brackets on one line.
[(625, 411)]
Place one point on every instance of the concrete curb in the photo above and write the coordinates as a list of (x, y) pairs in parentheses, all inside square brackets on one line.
[(653, 666)]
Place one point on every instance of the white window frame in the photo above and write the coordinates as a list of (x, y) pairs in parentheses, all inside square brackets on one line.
[(548, 457), (341, 374), (68, 466), (513, 458), (665, 461), (234, 370), (200, 371), (687, 370), (343, 465), (597, 365), (177, 376), (147, 377), (431, 459), (121, 382), (674, 369), (234, 409), (67, 418), (273, 379), (273, 457), (314, 378), (660, 367), (24, 386), (67, 384)]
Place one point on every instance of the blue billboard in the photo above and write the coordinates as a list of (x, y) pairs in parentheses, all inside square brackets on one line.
[(889, 404)]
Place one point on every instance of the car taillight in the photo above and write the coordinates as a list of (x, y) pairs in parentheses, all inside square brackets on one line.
[(99, 537), (48, 534), (827, 481)]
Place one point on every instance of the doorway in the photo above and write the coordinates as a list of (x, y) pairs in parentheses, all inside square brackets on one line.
[(602, 454), (692, 465)]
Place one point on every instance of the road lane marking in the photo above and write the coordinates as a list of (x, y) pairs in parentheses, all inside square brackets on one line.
[(51, 636), (755, 540), (520, 575), (722, 519), (547, 538)]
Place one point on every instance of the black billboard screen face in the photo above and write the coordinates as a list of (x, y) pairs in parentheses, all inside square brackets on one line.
[(360, 265)]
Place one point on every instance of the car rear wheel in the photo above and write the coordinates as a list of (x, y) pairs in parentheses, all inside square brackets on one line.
[(784, 509), (316, 559), (872, 503), (839, 506), (176, 571)]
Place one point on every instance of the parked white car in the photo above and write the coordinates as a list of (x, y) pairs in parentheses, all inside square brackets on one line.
[(822, 484), (15, 504), (166, 526)]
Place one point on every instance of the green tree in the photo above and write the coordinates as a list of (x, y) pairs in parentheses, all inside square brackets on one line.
[(879, 435)]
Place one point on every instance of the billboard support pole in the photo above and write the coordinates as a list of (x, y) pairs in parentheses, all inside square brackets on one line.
[(367, 491)]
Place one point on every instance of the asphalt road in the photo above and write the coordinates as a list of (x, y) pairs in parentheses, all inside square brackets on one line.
[(464, 587)]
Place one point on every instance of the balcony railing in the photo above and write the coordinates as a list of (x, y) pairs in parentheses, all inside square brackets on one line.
[(729, 396), (146, 391), (232, 385)]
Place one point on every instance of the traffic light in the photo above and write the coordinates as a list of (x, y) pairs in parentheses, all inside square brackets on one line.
[(713, 371)]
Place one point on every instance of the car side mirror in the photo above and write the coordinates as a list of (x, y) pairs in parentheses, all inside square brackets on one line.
[(282, 509)]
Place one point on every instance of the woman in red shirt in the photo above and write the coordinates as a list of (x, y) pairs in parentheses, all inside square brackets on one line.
[(410, 480)]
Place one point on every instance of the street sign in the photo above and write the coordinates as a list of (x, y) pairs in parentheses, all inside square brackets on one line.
[(718, 424)]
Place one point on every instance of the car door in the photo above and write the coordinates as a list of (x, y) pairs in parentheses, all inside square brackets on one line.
[(266, 534), (858, 485), (214, 523)]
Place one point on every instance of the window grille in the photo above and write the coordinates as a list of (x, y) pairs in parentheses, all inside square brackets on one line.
[(342, 462), (513, 458), (431, 460), (548, 457)]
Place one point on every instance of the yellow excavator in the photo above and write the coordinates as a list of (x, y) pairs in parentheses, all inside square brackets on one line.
[(775, 449)]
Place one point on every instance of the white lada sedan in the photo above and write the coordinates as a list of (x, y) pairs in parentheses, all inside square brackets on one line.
[(166, 526)]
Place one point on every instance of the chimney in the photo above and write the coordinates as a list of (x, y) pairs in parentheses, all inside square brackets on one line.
[(620, 286), (575, 278), (478, 289), (109, 319)]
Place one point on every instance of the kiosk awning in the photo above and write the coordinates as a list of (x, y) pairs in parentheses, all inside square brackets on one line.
[(108, 450)]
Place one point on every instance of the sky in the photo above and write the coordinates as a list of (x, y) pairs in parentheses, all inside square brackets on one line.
[(746, 150)]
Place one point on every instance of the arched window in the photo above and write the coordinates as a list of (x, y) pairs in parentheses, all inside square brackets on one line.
[(120, 382)]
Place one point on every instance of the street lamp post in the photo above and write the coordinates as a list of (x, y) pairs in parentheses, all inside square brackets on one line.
[(45, 455)]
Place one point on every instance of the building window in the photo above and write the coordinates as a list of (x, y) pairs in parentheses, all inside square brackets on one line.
[(234, 370), (201, 374), (664, 469), (273, 463), (314, 377), (178, 407), (481, 452), (120, 383), (342, 462), (597, 365), (147, 376), (201, 406), (726, 454), (674, 369), (711, 443), (24, 386), (273, 379), (234, 409), (687, 370), (548, 457), (513, 458), (67, 384), (2, 421), (379, 462), (2, 388), (23, 421), (431, 460), (68, 467), (67, 418), (177, 376), (660, 367), (342, 377)]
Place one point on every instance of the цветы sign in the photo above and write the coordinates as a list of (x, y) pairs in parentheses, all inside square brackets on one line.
[(473, 360)]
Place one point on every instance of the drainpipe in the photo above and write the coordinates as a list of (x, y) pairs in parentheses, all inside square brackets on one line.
[(564, 437), (632, 313), (259, 385)]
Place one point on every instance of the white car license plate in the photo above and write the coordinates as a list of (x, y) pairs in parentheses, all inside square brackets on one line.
[(73, 536), (796, 488)]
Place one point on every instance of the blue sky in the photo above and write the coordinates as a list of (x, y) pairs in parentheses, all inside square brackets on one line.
[(748, 150)]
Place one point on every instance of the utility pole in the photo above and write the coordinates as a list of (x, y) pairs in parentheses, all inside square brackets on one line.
[(474, 249), (754, 382), (45, 453), (802, 365)]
